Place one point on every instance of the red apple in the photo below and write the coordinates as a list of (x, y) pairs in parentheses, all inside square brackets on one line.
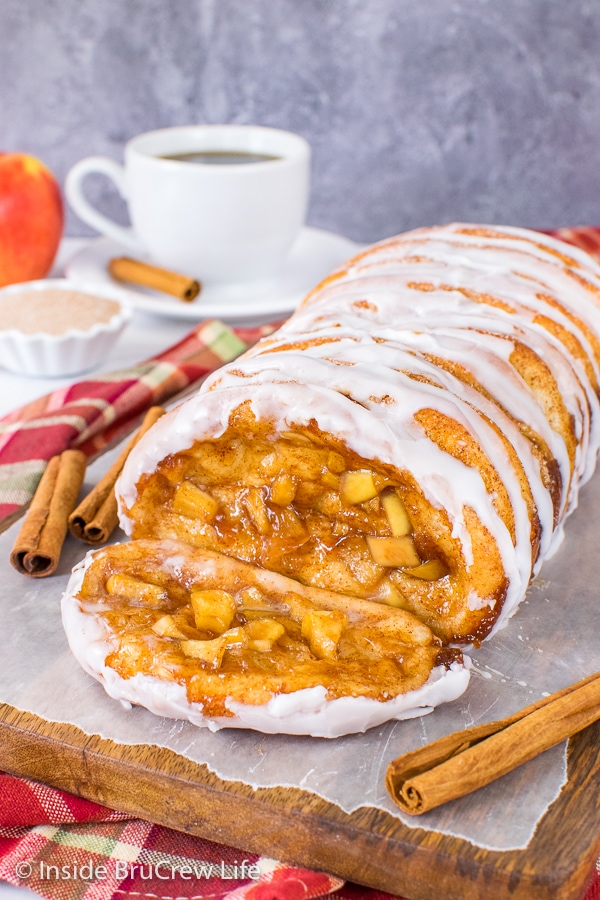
[(31, 218)]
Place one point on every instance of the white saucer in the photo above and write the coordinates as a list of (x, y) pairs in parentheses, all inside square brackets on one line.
[(312, 257)]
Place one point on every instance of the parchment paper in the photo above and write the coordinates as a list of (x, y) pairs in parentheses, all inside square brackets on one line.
[(550, 643)]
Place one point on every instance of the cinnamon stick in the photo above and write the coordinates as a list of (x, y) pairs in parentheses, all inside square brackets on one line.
[(124, 268), (37, 549), (96, 517), (464, 761)]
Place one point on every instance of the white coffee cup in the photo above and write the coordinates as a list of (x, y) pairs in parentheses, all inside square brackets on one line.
[(215, 222)]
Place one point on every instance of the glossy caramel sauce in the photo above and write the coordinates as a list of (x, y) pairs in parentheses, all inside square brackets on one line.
[(375, 652), (278, 501)]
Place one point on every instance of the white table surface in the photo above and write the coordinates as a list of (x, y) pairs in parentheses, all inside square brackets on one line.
[(145, 336)]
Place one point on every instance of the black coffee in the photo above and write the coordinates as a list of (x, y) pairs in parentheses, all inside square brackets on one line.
[(220, 157)]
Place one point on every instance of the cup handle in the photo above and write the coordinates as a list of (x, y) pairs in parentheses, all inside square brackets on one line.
[(88, 213)]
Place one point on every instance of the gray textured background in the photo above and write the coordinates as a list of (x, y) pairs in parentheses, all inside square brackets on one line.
[(419, 111)]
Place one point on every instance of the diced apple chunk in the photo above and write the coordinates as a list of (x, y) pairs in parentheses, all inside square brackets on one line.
[(253, 604), (430, 570), (388, 593), (331, 480), (340, 529), (251, 598), (397, 552), (209, 652), (323, 629), (166, 626), (335, 462), (357, 486), (257, 510), (283, 489), (291, 529), (261, 634), (135, 589), (396, 513), (253, 614), (213, 610), (193, 502), (235, 636)]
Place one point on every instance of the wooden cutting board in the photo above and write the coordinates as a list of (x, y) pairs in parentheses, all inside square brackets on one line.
[(368, 846)]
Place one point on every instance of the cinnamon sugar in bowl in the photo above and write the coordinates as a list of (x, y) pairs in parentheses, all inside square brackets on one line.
[(57, 327)]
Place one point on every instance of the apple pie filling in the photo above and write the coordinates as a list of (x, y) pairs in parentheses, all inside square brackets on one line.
[(229, 631), (302, 504)]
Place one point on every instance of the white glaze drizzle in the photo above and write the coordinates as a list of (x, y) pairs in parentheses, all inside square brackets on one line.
[(383, 324)]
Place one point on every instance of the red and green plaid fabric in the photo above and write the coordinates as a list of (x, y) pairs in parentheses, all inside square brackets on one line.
[(585, 237), (64, 848), (94, 413)]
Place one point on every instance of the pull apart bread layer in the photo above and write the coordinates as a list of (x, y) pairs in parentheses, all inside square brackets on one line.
[(411, 440)]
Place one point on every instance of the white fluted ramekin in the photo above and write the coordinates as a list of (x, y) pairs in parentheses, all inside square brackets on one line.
[(71, 352)]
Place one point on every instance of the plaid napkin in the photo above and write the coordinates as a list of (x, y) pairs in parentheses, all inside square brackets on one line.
[(65, 848), (584, 236), (92, 414)]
